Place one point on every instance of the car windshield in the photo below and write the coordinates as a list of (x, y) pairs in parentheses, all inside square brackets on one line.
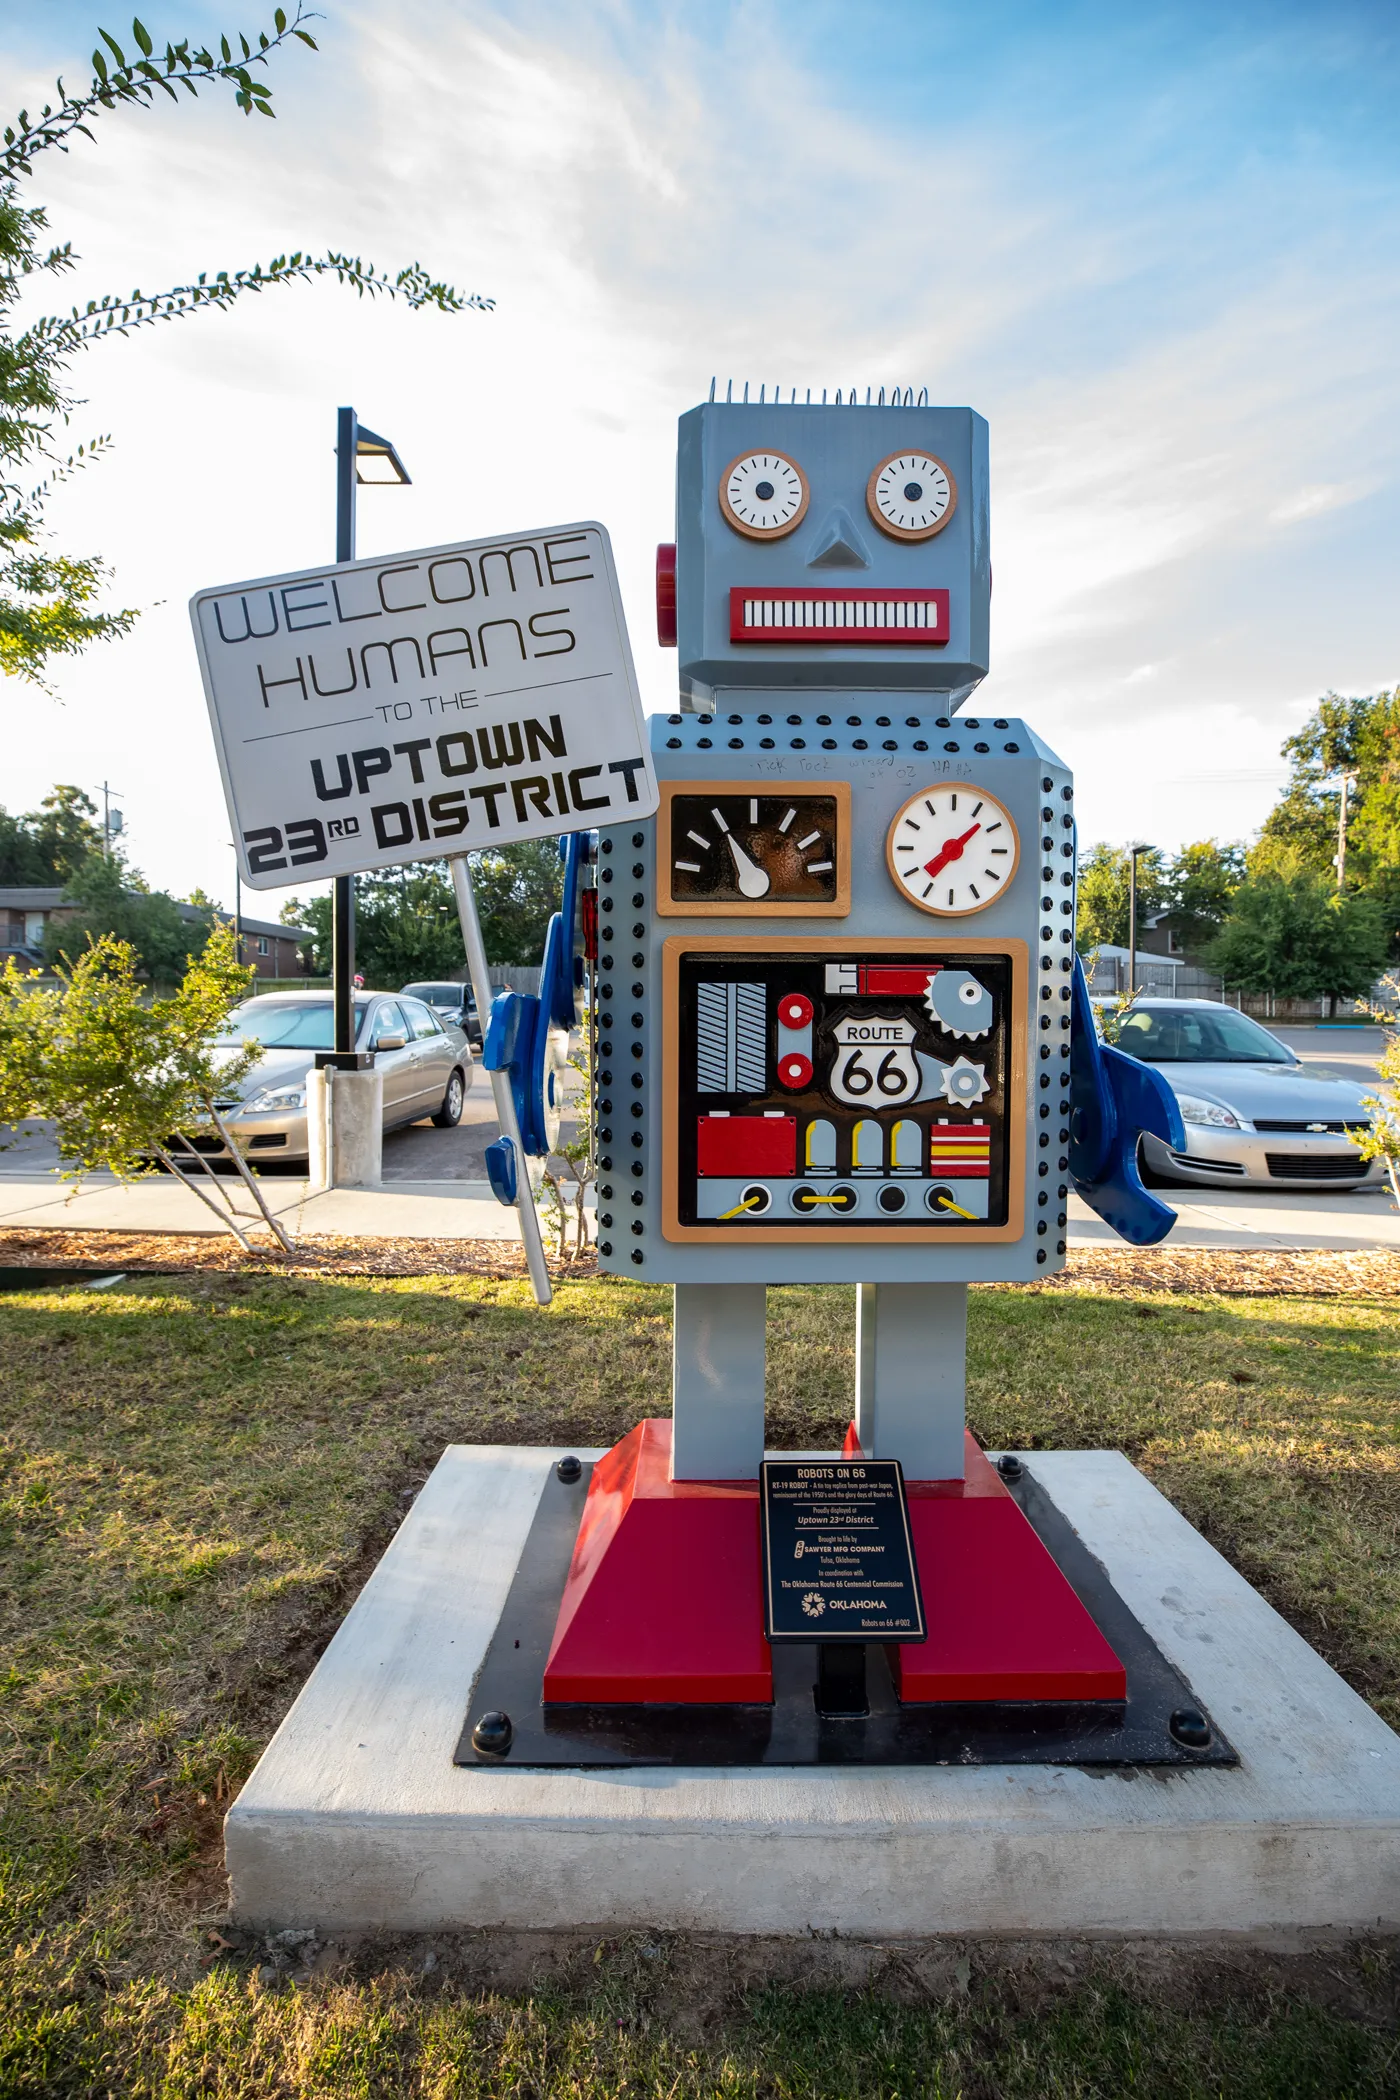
[(1198, 1035), (281, 1024)]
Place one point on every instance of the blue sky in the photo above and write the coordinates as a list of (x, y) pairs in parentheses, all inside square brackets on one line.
[(1155, 245)]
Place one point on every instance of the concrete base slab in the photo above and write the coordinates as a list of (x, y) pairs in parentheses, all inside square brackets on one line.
[(356, 1818)]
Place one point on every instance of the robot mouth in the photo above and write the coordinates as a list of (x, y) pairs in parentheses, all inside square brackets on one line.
[(894, 619)]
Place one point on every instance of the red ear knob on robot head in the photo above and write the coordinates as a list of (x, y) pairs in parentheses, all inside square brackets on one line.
[(795, 1010), (795, 1070), (666, 595)]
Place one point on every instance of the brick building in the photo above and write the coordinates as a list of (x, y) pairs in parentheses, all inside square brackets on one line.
[(273, 951)]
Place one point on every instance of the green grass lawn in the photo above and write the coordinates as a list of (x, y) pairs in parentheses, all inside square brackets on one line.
[(198, 1475)]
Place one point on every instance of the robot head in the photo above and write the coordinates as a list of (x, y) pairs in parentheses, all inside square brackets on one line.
[(832, 547)]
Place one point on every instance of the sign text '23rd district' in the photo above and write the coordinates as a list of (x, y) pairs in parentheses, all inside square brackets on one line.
[(534, 724)]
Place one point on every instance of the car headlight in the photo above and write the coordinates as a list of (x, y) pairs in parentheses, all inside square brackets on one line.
[(279, 1098), (1195, 1110)]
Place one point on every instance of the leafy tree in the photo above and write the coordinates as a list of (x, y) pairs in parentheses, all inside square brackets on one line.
[(1360, 735), (52, 842), (406, 924), (112, 902), (127, 1080), (49, 601), (518, 888), (1103, 894), (1289, 933), (1201, 881)]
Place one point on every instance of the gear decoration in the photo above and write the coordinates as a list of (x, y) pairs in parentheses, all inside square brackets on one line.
[(965, 1082), (959, 1003)]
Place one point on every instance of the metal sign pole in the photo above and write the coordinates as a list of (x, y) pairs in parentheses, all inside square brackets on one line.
[(343, 907), (530, 1236)]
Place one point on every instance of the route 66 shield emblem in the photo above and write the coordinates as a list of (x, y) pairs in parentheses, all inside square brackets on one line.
[(874, 1064)]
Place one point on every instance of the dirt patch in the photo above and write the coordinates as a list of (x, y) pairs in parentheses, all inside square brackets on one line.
[(1192, 1271), (329, 1254), (689, 1981), (1208, 1271)]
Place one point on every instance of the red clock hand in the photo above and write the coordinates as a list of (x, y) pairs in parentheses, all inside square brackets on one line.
[(952, 851)]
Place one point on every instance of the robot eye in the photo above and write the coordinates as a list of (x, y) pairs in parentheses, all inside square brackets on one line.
[(763, 495), (911, 495)]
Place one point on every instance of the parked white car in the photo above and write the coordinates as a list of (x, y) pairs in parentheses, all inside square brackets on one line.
[(1254, 1113)]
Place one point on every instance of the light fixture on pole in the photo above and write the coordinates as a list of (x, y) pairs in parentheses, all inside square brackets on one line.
[(362, 458), (377, 464)]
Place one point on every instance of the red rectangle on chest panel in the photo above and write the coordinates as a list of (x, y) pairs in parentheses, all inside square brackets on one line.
[(746, 1145)]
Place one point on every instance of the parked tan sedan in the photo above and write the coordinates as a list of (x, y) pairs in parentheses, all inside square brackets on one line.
[(427, 1068)]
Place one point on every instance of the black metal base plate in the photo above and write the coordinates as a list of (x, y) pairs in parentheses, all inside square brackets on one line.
[(791, 1731)]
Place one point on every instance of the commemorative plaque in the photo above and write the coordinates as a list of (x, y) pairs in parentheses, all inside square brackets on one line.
[(838, 1559)]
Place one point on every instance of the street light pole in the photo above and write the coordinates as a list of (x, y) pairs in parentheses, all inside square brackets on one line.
[(343, 904)]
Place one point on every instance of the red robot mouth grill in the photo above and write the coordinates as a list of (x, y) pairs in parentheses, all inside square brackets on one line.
[(894, 619)]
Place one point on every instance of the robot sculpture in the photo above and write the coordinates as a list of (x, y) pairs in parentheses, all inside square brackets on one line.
[(841, 1037)]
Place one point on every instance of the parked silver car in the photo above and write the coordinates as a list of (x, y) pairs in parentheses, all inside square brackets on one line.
[(427, 1068), (1254, 1112)]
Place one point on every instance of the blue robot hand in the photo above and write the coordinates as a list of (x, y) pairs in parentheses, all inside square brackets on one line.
[(1113, 1100), (522, 1042), (562, 975), (527, 1037)]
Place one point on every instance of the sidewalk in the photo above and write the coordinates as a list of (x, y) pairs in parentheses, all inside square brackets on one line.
[(466, 1210)]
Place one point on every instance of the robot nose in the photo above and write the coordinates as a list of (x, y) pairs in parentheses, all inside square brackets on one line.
[(839, 545)]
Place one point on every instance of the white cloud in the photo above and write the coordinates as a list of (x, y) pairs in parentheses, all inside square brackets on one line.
[(1319, 497)]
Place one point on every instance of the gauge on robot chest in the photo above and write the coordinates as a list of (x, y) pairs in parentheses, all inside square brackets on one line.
[(732, 848), (952, 849)]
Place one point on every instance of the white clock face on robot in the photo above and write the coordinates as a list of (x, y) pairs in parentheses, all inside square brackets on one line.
[(953, 849)]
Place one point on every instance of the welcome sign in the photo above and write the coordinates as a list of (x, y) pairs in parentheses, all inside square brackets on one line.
[(370, 713)]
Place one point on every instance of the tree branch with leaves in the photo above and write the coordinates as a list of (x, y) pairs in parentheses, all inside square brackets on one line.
[(50, 602), (128, 1081)]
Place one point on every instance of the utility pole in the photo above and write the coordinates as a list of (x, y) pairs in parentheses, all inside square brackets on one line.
[(1348, 781), (1133, 852), (111, 818)]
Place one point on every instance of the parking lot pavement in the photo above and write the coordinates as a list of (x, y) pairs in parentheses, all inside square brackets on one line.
[(1336, 1053)]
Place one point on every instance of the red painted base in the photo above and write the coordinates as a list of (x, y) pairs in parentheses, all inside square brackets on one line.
[(663, 1599), (1003, 1622)]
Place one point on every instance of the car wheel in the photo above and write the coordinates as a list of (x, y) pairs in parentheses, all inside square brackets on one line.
[(450, 1114)]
